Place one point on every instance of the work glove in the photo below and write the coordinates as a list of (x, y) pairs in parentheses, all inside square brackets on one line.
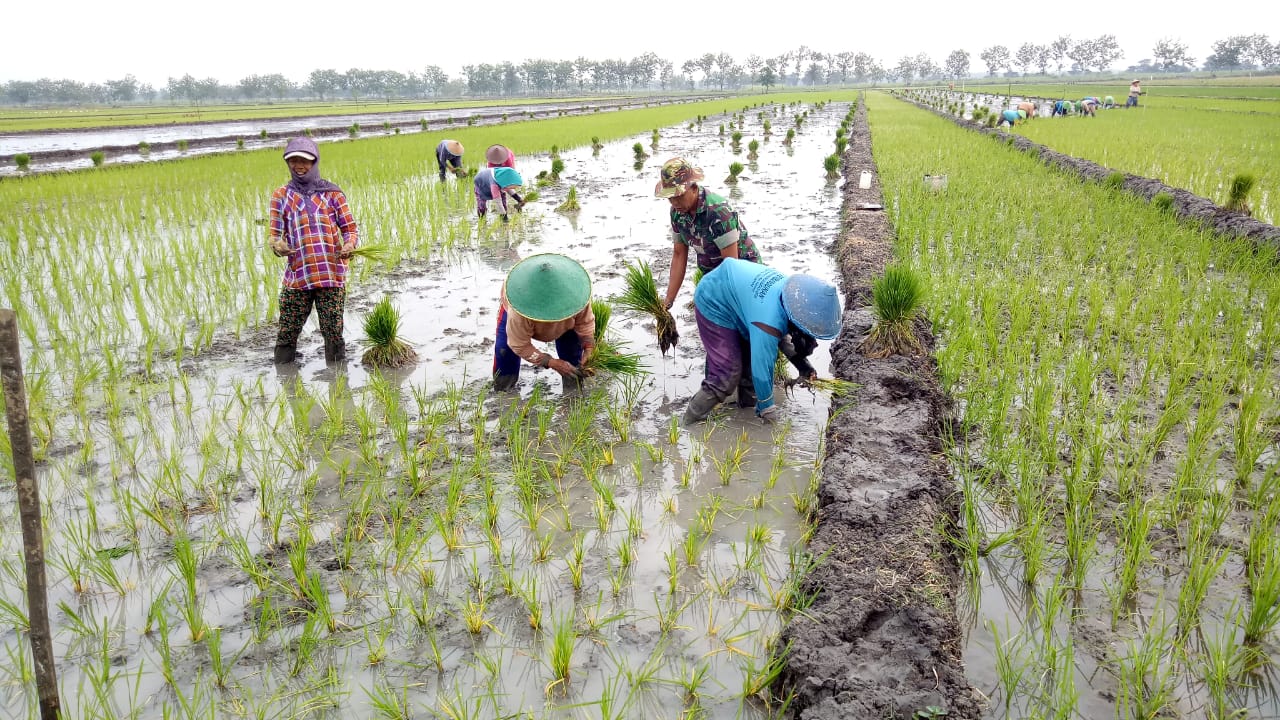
[(770, 414)]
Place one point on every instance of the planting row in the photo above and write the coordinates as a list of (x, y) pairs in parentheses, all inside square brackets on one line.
[(1117, 445)]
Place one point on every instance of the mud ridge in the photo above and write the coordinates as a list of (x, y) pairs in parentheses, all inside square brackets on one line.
[(1187, 206), (881, 639)]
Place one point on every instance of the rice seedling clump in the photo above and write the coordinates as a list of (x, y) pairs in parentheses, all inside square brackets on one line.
[(381, 331), (642, 296), (896, 298)]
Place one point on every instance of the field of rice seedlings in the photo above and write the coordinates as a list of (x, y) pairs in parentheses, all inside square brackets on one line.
[(229, 538), (1116, 449)]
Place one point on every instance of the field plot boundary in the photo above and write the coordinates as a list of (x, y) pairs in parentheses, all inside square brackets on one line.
[(881, 638), (1188, 207)]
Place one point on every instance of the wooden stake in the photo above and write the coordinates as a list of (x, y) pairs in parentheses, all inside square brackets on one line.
[(24, 470)]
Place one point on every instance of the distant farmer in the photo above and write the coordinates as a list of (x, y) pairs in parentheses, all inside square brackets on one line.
[(494, 187), (311, 225), (746, 312), (1089, 106), (546, 298), (701, 220), (1135, 89), (1027, 107), (500, 156), (449, 156), (1063, 108), (1012, 117), (1109, 102)]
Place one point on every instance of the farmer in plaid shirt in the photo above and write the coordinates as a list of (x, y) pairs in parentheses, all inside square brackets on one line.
[(312, 226)]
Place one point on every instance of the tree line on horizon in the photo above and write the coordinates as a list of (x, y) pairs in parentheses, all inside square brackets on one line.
[(799, 67)]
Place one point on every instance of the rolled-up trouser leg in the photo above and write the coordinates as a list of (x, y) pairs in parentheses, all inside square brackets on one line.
[(723, 368), (506, 364)]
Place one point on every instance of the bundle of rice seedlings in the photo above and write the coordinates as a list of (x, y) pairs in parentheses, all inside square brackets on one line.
[(531, 195), (381, 332), (570, 203), (1238, 194), (641, 295), (896, 300), (609, 356), (374, 252), (836, 387), (735, 169)]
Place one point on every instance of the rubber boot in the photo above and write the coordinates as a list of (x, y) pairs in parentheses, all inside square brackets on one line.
[(746, 396), (286, 353), (699, 407), (505, 383), (335, 350)]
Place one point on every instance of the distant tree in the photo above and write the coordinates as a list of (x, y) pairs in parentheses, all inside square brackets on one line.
[(707, 65), (753, 64), (725, 68), (183, 88), (666, 73), (122, 90), (1026, 56), (1081, 54), (1058, 51), (768, 77), (435, 79), (1104, 51), (813, 75), (863, 67), (250, 87), (1044, 55), (905, 70), (926, 68), (800, 55), (996, 58), (844, 64), (1170, 54), (323, 83), (1262, 53), (958, 64)]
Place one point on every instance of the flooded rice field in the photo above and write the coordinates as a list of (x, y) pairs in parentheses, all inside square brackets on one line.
[(232, 538), (71, 149)]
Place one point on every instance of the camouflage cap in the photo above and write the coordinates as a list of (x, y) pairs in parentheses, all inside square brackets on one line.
[(675, 177)]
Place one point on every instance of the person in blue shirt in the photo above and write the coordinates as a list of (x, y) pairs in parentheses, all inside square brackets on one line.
[(1012, 117), (746, 312)]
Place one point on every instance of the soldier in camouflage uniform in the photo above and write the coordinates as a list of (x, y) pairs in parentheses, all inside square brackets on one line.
[(700, 220)]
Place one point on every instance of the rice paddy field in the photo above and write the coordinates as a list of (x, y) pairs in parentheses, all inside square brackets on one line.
[(1192, 143), (231, 538), (1116, 447)]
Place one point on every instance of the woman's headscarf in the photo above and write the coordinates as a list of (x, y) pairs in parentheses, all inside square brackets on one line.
[(311, 183)]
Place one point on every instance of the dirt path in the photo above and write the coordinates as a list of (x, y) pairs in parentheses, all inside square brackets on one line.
[(881, 638)]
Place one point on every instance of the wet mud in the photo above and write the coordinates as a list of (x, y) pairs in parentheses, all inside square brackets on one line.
[(882, 639), (1187, 206)]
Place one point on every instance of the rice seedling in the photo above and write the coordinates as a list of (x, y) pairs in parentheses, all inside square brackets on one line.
[(753, 150), (831, 164), (639, 152), (184, 144), (1238, 193), (791, 135), (896, 299), (562, 640), (1114, 181), (381, 330), (23, 161), (735, 169), (97, 157), (595, 144), (570, 204), (641, 295)]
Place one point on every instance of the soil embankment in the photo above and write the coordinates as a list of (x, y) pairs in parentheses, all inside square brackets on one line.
[(1188, 206), (881, 638)]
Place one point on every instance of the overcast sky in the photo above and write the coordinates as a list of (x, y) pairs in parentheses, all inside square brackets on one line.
[(229, 39)]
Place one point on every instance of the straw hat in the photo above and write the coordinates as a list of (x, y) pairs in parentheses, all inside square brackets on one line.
[(813, 305), (497, 154), (548, 287), (454, 147)]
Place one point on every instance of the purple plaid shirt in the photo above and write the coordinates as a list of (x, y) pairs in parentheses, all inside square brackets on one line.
[(315, 229)]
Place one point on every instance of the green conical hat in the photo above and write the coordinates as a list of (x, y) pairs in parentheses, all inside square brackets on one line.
[(548, 287)]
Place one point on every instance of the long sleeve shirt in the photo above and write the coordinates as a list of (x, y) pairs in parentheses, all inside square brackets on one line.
[(521, 331), (315, 228), (712, 226), (747, 297)]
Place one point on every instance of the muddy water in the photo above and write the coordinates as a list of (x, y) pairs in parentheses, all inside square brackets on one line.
[(70, 149), (720, 617)]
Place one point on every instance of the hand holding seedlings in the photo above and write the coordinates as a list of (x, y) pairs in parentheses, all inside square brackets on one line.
[(741, 294)]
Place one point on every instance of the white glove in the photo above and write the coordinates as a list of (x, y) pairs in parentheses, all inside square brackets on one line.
[(770, 414)]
